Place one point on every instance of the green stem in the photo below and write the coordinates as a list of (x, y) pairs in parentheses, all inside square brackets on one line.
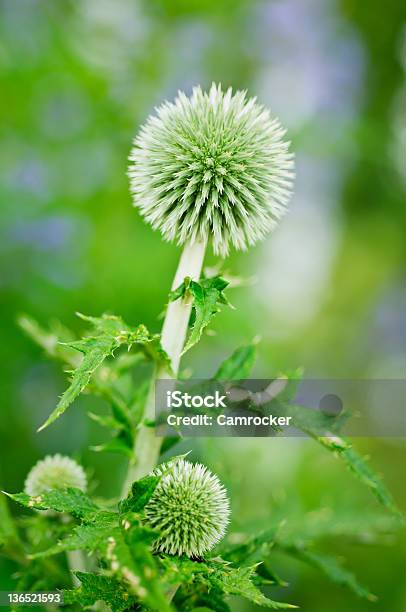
[(174, 330)]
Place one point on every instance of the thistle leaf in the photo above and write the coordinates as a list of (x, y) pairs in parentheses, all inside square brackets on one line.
[(323, 428), (254, 550), (109, 334), (238, 581), (95, 352), (72, 501), (359, 466), (207, 295), (97, 587), (141, 492), (219, 576), (129, 558), (238, 365), (91, 536), (330, 567)]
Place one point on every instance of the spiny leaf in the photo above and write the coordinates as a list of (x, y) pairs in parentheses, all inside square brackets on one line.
[(98, 587), (238, 365), (110, 332), (91, 536), (206, 295), (221, 576), (141, 492), (143, 489), (125, 545), (333, 570), (95, 352), (238, 581), (129, 558), (323, 428), (254, 550), (357, 464), (72, 501), (330, 567)]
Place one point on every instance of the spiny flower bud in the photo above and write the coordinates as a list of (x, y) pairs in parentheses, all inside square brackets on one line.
[(212, 166), (189, 508), (55, 472)]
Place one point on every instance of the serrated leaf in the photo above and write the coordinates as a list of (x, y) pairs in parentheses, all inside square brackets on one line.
[(143, 489), (336, 573), (324, 429), (358, 465), (254, 550), (238, 365), (72, 501), (110, 333), (330, 567), (92, 536), (95, 352), (343, 449), (221, 576), (129, 558), (140, 494), (265, 575), (238, 581), (206, 296), (98, 587), (124, 543)]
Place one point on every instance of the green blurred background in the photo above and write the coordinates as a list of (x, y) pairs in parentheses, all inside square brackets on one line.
[(327, 290)]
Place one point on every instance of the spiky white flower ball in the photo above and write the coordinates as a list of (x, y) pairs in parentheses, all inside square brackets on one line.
[(189, 508), (212, 166), (55, 472)]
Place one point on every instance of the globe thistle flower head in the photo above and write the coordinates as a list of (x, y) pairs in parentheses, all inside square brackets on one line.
[(212, 166), (55, 472), (189, 508)]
